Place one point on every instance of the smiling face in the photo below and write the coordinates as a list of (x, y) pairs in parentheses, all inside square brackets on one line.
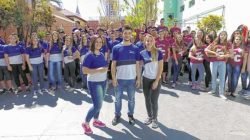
[(237, 40), (149, 42), (68, 41), (98, 43), (12, 39), (223, 36), (127, 35)]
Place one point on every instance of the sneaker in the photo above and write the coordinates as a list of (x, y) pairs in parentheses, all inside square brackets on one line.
[(44, 90), (3, 91), (35, 94), (87, 129), (131, 120), (211, 92), (200, 88), (116, 120), (148, 121), (234, 94), (11, 90), (154, 124), (223, 97), (98, 123), (173, 85)]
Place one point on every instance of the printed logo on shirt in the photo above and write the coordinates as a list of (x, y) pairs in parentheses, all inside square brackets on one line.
[(131, 52)]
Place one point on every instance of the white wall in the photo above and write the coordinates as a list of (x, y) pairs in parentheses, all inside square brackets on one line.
[(236, 12)]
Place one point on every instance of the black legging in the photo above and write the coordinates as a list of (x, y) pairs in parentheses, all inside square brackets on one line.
[(208, 76), (151, 97), (16, 71)]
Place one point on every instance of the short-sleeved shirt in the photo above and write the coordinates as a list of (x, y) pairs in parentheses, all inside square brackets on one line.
[(126, 57), (35, 55), (140, 46), (2, 61), (163, 46), (237, 60), (83, 51), (179, 50), (150, 66), (111, 44), (67, 57), (93, 61), (219, 49), (2, 42), (197, 52), (14, 53), (55, 53)]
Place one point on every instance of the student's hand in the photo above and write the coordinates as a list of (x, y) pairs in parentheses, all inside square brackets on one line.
[(23, 67), (30, 68), (114, 83), (103, 69), (9, 68), (243, 70), (155, 84), (138, 82), (176, 62)]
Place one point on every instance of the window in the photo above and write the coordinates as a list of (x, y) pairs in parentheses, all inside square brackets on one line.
[(191, 3), (182, 8)]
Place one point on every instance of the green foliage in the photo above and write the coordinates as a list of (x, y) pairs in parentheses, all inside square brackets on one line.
[(6, 12), (142, 12), (211, 22)]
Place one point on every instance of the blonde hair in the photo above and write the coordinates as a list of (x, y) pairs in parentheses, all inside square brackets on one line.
[(154, 50)]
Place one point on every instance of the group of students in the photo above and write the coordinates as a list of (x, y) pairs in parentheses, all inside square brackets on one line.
[(156, 56)]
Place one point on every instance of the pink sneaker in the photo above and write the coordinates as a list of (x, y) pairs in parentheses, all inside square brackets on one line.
[(98, 123), (87, 129), (193, 86)]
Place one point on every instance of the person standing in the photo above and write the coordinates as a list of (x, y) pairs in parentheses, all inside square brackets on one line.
[(34, 58), (126, 74), (153, 66), (218, 53), (96, 66)]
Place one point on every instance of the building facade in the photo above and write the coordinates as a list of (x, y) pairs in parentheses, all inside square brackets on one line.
[(189, 12)]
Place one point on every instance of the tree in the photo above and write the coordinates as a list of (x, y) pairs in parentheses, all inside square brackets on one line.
[(141, 12), (6, 12), (211, 22)]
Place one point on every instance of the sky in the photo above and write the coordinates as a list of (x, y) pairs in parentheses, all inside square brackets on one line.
[(88, 8)]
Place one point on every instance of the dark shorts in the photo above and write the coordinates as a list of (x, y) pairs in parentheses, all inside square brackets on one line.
[(165, 67), (4, 73), (27, 70)]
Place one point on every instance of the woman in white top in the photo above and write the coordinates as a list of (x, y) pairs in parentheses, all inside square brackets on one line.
[(153, 66)]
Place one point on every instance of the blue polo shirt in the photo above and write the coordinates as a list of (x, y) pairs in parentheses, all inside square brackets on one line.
[(125, 57), (55, 53), (2, 61), (35, 55), (83, 51), (93, 61), (67, 57), (14, 53), (111, 44), (140, 46), (150, 67)]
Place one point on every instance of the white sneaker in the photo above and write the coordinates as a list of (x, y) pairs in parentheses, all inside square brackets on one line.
[(223, 97), (211, 92)]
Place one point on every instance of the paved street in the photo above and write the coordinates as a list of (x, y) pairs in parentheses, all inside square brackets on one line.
[(182, 115)]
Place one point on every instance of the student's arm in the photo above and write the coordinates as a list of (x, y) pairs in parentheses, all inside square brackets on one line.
[(28, 62), (7, 61), (138, 74), (209, 52), (87, 70), (158, 77), (113, 73)]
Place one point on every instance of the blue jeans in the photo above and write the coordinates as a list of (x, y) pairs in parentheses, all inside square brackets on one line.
[(218, 67), (177, 68), (233, 73), (244, 76), (201, 70), (37, 74), (55, 69), (97, 91), (129, 85)]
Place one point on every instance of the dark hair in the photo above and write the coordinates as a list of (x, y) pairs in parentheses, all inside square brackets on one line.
[(92, 46), (232, 35), (127, 27), (218, 41), (210, 37)]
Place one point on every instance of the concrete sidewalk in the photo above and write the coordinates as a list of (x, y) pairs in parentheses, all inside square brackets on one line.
[(183, 115)]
